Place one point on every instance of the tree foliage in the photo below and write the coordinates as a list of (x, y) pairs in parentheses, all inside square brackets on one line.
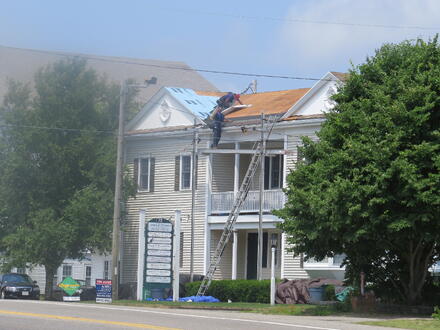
[(57, 163), (370, 186)]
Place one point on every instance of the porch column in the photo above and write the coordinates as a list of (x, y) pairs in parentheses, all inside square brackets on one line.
[(234, 255), (237, 170)]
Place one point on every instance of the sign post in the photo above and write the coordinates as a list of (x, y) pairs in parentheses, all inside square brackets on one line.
[(103, 291), (141, 255), (176, 257), (70, 286), (158, 265)]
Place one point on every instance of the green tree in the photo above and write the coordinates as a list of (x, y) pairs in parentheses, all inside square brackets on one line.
[(370, 186), (57, 165)]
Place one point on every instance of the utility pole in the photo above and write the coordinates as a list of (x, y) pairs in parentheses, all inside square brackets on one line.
[(193, 197), (260, 214), (118, 188)]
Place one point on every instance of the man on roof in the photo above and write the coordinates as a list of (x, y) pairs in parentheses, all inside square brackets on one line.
[(224, 102)]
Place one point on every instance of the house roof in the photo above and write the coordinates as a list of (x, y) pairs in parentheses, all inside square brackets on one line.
[(266, 102), (342, 76), (22, 64), (200, 105)]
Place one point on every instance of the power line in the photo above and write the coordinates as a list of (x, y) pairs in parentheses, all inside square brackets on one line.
[(302, 21), (59, 129), (182, 68)]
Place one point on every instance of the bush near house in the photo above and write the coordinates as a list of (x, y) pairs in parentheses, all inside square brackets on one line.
[(235, 290)]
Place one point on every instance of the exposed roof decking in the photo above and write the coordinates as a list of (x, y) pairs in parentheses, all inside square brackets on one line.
[(266, 102)]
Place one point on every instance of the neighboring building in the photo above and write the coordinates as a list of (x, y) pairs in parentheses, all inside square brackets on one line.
[(90, 268), (22, 64), (158, 149)]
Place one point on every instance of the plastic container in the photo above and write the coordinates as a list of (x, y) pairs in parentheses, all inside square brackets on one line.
[(316, 294)]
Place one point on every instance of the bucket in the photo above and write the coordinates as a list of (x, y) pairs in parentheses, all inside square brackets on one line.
[(316, 294), (157, 293)]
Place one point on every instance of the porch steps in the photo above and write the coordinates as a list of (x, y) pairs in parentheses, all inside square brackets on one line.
[(235, 211)]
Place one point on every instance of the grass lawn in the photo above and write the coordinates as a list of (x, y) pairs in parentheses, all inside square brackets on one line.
[(425, 324), (238, 306)]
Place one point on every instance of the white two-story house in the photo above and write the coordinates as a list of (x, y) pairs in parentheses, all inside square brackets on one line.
[(158, 154)]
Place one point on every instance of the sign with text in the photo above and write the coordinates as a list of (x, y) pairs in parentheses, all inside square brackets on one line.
[(158, 258), (103, 291)]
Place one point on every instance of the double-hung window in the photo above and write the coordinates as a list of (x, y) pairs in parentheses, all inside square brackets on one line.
[(144, 173), (67, 271), (185, 172), (273, 172)]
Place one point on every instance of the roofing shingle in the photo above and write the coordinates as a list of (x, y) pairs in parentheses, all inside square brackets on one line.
[(267, 102)]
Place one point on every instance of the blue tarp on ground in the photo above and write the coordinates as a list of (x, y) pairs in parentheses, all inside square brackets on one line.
[(189, 299), (200, 299)]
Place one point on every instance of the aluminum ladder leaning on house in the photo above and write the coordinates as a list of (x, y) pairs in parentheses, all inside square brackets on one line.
[(233, 215)]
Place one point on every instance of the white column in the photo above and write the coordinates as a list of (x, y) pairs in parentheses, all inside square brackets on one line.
[(141, 255), (272, 278), (234, 255), (283, 251), (176, 256), (207, 236), (237, 170)]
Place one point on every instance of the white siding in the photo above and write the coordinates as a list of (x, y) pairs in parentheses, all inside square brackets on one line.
[(222, 172), (164, 201), (96, 261)]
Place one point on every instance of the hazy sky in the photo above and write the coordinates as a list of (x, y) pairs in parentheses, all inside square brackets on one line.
[(239, 36)]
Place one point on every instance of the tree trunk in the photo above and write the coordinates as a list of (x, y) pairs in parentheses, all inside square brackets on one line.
[(50, 272)]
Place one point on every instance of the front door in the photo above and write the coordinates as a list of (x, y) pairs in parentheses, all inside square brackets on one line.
[(252, 250)]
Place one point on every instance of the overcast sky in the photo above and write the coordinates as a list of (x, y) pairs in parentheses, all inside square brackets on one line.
[(267, 37)]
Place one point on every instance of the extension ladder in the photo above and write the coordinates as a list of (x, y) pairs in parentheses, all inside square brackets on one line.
[(233, 215)]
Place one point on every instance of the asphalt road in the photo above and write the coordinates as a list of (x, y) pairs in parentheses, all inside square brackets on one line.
[(22, 314)]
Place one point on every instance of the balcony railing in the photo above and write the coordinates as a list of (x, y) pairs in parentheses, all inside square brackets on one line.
[(221, 202)]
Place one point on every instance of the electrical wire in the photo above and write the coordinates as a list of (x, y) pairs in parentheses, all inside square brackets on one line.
[(299, 20), (103, 59)]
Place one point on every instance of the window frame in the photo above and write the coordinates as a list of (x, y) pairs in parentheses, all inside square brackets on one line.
[(269, 173), (88, 277), (65, 266), (139, 174), (181, 172)]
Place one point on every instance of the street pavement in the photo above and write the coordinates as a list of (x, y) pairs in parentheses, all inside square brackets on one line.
[(22, 314)]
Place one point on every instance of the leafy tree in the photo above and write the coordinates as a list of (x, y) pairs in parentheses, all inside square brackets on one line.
[(370, 186), (57, 157)]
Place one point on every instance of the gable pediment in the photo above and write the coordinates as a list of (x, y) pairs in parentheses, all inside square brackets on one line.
[(162, 111), (317, 100)]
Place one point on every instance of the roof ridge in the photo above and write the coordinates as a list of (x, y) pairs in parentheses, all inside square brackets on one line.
[(265, 92)]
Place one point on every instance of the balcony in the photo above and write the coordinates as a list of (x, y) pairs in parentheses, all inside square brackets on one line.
[(222, 202)]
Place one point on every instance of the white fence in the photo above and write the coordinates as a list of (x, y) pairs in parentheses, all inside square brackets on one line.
[(221, 202)]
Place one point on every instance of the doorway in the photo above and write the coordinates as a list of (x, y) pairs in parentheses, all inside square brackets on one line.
[(252, 250)]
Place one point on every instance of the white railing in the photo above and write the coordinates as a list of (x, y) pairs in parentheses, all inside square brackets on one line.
[(221, 202)]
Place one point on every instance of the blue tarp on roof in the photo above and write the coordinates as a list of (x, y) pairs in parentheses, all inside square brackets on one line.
[(200, 105)]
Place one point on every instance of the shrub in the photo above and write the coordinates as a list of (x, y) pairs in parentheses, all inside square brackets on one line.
[(235, 290), (436, 314)]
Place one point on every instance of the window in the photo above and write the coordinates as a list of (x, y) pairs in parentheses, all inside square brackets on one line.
[(88, 275), (21, 270), (144, 173), (107, 266), (67, 271), (273, 172), (265, 247), (185, 172)]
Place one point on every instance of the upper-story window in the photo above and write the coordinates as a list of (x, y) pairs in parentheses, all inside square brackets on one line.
[(144, 173), (273, 172), (185, 172)]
